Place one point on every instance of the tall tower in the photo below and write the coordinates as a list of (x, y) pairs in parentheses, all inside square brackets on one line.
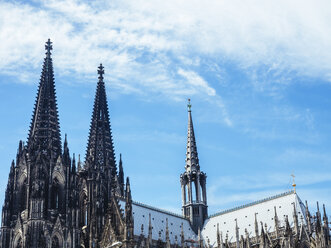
[(100, 171), (193, 182), (35, 211)]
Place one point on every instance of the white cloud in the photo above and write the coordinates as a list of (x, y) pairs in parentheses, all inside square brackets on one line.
[(145, 45), (193, 79)]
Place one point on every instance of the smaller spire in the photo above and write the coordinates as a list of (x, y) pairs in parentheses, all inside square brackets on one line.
[(73, 163), (308, 216), (222, 244), (79, 163), (237, 233), (128, 189), (326, 224), (256, 226), (66, 154), (182, 238), (192, 160), (262, 237), (295, 219), (287, 226), (276, 223), (318, 213), (218, 236), (20, 146), (167, 235), (248, 242), (150, 228), (325, 217), (121, 176)]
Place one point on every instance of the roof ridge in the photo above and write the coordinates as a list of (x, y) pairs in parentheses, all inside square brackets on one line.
[(156, 209), (252, 203)]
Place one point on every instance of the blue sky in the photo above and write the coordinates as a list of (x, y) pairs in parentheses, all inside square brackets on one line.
[(258, 74)]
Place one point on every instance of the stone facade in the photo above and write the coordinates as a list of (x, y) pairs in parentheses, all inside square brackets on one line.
[(55, 202)]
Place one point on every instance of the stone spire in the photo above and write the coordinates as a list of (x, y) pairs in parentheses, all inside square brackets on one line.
[(295, 219), (192, 160), (193, 182), (100, 157), (150, 229), (167, 235), (121, 176), (248, 241), (256, 226), (276, 223), (128, 214), (45, 128), (100, 147), (308, 217), (218, 236), (237, 234)]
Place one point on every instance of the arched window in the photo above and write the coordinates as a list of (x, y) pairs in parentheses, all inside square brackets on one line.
[(55, 242), (56, 201), (194, 194)]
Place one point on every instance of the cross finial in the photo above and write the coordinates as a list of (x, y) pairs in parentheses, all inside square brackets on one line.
[(189, 104), (101, 71), (48, 47)]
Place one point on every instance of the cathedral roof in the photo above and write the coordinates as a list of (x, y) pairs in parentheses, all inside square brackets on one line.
[(264, 210), (159, 217)]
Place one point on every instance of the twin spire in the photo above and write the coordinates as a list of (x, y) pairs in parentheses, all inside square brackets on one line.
[(44, 131), (45, 128), (100, 148)]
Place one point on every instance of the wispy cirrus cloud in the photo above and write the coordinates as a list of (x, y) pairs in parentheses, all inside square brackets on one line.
[(156, 47)]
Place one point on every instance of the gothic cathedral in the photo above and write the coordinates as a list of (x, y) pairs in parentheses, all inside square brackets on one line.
[(54, 201)]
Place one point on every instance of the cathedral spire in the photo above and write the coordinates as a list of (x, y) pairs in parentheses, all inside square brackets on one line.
[(45, 128), (193, 182), (100, 148), (192, 160)]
